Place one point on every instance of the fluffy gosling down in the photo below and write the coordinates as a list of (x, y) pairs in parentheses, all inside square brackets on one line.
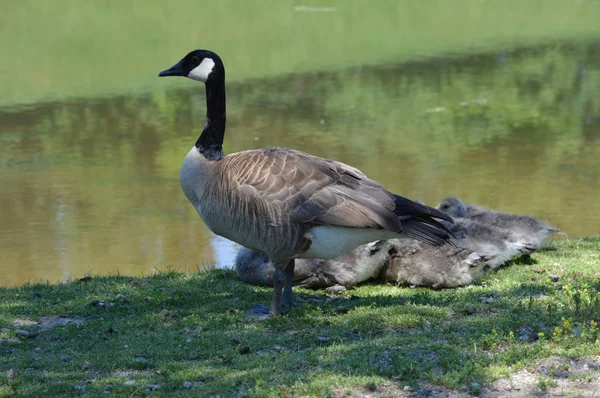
[(399, 261), (529, 231)]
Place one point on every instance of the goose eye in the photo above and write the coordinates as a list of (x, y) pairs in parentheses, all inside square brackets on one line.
[(195, 60)]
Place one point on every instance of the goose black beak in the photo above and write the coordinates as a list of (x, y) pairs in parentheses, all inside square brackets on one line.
[(175, 70)]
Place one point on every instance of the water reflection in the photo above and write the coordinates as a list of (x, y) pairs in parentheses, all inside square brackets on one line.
[(92, 186)]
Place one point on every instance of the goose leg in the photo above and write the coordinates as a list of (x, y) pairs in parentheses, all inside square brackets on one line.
[(287, 288), (277, 289)]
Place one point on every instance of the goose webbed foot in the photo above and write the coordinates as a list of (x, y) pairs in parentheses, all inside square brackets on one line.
[(282, 295), (259, 312)]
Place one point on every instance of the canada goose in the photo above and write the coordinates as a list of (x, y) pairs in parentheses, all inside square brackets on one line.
[(286, 203), (400, 261), (527, 229)]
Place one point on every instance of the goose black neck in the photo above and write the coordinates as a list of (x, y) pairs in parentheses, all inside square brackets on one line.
[(210, 143)]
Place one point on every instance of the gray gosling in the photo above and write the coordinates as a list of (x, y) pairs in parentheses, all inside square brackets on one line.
[(530, 232), (359, 265), (399, 261), (411, 263), (478, 248), (495, 246)]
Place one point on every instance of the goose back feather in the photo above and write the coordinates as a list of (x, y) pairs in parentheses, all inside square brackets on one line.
[(270, 199)]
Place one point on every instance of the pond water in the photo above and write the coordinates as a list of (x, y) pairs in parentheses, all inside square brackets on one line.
[(91, 186)]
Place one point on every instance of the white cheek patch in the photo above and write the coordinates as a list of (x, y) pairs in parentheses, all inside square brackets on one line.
[(202, 71)]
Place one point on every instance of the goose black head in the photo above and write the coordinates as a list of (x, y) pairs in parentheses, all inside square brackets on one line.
[(202, 65)]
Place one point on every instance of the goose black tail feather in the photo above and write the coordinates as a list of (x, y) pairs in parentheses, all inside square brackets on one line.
[(406, 207), (417, 229), (421, 223)]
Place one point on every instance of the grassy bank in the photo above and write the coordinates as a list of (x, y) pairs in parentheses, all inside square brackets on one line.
[(172, 334), (69, 48)]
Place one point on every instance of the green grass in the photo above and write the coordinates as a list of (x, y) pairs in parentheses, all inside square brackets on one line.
[(175, 328), (69, 48)]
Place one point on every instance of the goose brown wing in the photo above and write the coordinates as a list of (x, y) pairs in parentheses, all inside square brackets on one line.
[(312, 190)]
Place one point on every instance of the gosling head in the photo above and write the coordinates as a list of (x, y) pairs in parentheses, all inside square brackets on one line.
[(453, 207), (202, 65)]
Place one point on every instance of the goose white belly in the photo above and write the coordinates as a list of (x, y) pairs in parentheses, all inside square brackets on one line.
[(331, 242)]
